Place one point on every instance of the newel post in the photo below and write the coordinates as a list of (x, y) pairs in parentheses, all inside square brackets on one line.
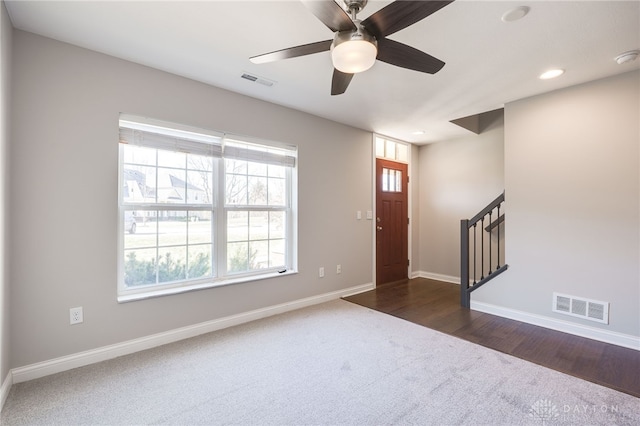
[(465, 296)]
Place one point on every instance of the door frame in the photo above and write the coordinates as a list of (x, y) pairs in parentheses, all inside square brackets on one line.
[(412, 179)]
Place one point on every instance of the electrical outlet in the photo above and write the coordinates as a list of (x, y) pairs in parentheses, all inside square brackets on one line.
[(321, 272), (339, 269), (75, 315)]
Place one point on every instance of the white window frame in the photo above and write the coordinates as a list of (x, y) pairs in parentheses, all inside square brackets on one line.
[(218, 208)]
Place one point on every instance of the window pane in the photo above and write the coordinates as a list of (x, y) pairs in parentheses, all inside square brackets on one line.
[(390, 151), (257, 191), (277, 192), (138, 184), (237, 226), (259, 225), (257, 169), (139, 155), (171, 186), (139, 267), (199, 162), (380, 147), (237, 257), (172, 159), (276, 224), (398, 185), (199, 185), (385, 180), (277, 171), (236, 166), (259, 254), (172, 264), (199, 261), (139, 230), (402, 150), (276, 253), (172, 228), (199, 227), (236, 189)]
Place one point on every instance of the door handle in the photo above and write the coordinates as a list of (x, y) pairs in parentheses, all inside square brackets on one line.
[(379, 228)]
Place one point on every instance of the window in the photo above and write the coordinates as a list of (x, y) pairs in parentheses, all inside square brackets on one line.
[(201, 208), (390, 150)]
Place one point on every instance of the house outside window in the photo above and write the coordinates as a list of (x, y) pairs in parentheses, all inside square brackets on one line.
[(200, 208)]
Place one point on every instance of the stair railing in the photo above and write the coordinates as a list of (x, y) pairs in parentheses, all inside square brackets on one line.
[(469, 255)]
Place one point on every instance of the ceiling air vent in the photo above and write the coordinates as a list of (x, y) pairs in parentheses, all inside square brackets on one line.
[(257, 79), (592, 310)]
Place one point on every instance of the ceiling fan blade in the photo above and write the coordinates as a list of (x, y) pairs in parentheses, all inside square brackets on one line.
[(340, 82), (332, 15), (293, 52), (401, 55), (400, 14)]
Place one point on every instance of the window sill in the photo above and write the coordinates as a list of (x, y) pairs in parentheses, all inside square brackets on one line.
[(178, 290)]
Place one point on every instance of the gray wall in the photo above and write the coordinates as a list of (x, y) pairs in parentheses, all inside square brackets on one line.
[(63, 198), (573, 192), (458, 178), (5, 119)]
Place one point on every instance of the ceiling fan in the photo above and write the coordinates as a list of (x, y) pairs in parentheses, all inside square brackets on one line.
[(357, 44)]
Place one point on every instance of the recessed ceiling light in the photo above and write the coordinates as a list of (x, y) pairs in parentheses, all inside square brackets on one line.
[(515, 14), (629, 56), (551, 74), (418, 132)]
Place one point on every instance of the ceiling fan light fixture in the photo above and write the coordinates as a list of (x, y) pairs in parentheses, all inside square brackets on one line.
[(354, 51), (354, 56)]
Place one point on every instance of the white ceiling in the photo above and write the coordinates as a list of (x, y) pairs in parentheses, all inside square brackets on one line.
[(488, 62)]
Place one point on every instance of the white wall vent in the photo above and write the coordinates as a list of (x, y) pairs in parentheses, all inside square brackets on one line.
[(593, 310)]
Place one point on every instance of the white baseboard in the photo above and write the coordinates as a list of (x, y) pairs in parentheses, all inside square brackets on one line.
[(606, 336), (437, 277), (57, 365), (5, 388)]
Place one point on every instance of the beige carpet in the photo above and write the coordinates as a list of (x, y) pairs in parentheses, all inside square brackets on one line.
[(331, 364)]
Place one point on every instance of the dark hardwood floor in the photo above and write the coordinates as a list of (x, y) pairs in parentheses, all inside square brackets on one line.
[(435, 304)]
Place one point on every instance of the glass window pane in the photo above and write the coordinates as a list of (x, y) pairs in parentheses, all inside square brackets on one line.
[(257, 191), (171, 186), (385, 179), (257, 169), (236, 189), (199, 227), (390, 151), (199, 261), (139, 155), (236, 166), (199, 184), (403, 152), (398, 184), (199, 162), (172, 159), (259, 254), (237, 226), (237, 257), (172, 228), (277, 171), (139, 230), (276, 224), (172, 264), (276, 253), (277, 188), (138, 184), (139, 267), (258, 225), (380, 147)]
